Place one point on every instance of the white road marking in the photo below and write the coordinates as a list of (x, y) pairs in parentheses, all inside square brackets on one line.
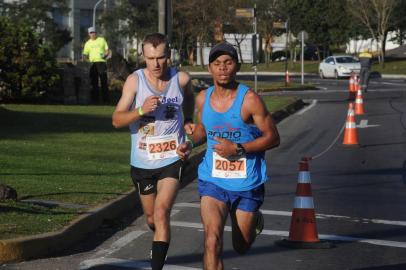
[(135, 265), (125, 240), (302, 111), (329, 237), (319, 216), (364, 124), (392, 83), (120, 243), (174, 212)]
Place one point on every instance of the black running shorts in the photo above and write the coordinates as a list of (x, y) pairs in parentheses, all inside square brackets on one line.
[(146, 179)]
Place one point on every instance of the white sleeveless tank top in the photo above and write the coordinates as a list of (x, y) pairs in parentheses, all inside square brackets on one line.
[(156, 135)]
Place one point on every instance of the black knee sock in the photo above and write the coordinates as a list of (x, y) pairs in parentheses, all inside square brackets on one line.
[(159, 250)]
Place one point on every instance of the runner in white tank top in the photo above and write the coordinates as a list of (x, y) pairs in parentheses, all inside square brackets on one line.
[(156, 103)]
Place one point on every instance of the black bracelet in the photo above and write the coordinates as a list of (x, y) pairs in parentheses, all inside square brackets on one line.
[(188, 120)]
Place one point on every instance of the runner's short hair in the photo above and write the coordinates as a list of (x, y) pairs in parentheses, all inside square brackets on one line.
[(156, 39)]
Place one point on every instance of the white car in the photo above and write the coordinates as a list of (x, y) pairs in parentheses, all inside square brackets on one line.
[(338, 66)]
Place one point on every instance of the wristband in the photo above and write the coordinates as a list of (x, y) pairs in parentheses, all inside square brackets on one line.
[(188, 120), (188, 139), (140, 111)]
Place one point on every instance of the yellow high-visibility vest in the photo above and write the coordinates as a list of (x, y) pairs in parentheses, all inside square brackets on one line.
[(96, 49)]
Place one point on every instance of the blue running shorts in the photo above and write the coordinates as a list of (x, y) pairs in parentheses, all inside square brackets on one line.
[(249, 201)]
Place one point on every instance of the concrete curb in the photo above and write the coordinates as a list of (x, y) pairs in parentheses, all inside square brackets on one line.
[(47, 244), (393, 76)]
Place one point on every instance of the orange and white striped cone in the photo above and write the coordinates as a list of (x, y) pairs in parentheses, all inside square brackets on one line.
[(287, 79), (351, 83), (350, 132), (351, 86), (303, 229), (359, 104)]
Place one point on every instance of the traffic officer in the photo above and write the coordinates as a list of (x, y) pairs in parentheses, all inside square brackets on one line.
[(365, 59), (96, 51)]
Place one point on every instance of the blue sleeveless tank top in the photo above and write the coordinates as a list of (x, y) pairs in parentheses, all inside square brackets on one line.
[(240, 174)]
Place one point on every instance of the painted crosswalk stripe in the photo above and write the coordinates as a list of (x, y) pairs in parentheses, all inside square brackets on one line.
[(319, 216), (135, 265), (329, 237), (120, 243), (125, 240)]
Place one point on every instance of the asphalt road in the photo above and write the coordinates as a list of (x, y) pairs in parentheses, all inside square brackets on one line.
[(359, 195)]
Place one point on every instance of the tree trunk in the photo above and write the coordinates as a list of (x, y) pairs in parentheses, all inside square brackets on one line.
[(191, 56), (383, 48), (201, 51)]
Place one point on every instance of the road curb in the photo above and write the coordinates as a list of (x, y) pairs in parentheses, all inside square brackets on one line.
[(290, 109), (48, 244)]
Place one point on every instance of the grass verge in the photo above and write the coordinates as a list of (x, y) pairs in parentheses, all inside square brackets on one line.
[(278, 86), (68, 154)]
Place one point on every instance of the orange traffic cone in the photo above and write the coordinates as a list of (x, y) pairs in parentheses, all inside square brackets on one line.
[(359, 104), (287, 79), (350, 133), (352, 87), (303, 229)]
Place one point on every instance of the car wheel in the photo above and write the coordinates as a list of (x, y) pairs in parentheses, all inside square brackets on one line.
[(321, 74), (336, 74)]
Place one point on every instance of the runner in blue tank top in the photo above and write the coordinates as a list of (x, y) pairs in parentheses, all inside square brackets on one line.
[(239, 130), (155, 103)]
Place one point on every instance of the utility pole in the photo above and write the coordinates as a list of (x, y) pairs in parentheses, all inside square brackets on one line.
[(302, 58), (255, 51), (286, 51), (165, 18), (94, 13), (161, 16), (251, 14)]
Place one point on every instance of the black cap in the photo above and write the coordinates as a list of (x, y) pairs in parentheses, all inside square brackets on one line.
[(223, 48)]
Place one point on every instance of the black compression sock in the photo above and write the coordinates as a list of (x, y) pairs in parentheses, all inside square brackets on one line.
[(159, 250)]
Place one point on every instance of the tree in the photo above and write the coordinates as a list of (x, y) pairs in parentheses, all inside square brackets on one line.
[(325, 21), (376, 16), (196, 24), (399, 22), (130, 20), (27, 66), (267, 14), (38, 14)]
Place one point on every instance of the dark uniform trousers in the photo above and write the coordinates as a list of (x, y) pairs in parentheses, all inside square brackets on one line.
[(99, 70), (364, 78), (365, 71)]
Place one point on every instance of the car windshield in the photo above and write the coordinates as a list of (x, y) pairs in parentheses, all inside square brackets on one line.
[(346, 60)]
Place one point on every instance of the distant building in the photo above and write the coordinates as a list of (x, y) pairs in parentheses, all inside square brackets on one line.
[(357, 45), (77, 20)]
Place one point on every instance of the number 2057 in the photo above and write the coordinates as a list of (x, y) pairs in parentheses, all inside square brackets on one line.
[(228, 165)]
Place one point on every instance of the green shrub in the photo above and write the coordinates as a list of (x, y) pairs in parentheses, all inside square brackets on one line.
[(27, 67)]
